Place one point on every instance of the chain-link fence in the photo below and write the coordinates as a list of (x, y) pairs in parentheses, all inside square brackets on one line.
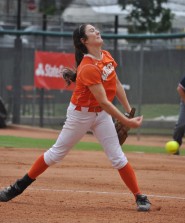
[(149, 69)]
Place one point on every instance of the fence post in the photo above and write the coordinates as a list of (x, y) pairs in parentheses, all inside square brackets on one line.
[(140, 85), (17, 69)]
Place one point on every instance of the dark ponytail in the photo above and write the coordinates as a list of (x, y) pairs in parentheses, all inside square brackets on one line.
[(78, 56), (69, 75)]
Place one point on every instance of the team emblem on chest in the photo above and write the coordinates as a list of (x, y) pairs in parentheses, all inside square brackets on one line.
[(106, 71)]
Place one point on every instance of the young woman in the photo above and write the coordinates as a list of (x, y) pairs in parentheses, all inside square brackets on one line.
[(90, 108)]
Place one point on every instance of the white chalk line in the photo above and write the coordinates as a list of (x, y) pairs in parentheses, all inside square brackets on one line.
[(104, 192)]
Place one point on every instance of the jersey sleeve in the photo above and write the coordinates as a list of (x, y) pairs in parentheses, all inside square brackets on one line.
[(90, 75)]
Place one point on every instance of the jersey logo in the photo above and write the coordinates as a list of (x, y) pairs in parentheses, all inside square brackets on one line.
[(107, 70)]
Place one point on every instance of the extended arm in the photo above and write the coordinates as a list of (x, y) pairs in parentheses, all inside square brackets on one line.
[(122, 97), (99, 93)]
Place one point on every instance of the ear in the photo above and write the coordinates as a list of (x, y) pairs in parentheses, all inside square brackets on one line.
[(82, 40)]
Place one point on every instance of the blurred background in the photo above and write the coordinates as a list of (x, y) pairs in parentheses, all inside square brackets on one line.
[(146, 38)]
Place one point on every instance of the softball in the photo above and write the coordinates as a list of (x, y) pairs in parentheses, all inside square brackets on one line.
[(172, 146)]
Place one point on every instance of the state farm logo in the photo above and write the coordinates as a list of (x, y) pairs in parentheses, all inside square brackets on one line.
[(49, 71)]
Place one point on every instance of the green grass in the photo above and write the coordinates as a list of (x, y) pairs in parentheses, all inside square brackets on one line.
[(150, 111), (157, 110), (21, 142)]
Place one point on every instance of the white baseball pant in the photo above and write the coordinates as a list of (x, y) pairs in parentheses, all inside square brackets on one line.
[(76, 126)]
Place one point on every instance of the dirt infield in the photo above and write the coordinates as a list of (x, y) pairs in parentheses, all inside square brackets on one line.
[(84, 188)]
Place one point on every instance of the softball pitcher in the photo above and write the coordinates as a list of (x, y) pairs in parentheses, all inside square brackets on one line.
[(90, 108)]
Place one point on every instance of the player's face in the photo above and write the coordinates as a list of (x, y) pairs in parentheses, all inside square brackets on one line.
[(93, 36)]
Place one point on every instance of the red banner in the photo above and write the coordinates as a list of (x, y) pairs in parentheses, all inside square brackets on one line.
[(48, 70)]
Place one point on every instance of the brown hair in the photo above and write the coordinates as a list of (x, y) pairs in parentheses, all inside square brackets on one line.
[(69, 75)]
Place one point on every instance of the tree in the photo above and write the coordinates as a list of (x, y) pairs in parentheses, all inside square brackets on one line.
[(147, 16), (49, 7), (64, 4)]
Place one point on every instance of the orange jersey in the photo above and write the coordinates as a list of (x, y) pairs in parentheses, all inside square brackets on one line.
[(92, 71)]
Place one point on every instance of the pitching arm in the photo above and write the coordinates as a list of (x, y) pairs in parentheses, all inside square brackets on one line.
[(122, 97)]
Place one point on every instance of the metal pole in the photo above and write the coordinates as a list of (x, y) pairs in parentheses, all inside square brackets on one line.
[(17, 70), (19, 14), (41, 107), (116, 47), (140, 85), (115, 40)]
